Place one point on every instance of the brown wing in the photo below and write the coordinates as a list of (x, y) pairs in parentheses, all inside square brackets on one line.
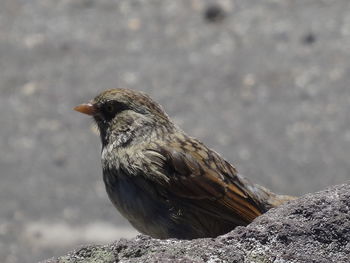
[(201, 178)]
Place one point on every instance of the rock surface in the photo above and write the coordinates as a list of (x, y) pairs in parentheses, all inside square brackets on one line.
[(313, 228)]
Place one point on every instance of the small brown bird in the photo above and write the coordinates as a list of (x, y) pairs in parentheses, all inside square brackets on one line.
[(167, 184)]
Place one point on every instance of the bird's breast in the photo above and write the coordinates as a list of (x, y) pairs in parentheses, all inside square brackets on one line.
[(138, 203)]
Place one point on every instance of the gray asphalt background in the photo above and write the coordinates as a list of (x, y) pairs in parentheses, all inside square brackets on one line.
[(266, 84)]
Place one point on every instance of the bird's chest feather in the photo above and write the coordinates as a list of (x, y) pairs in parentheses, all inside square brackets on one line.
[(138, 201), (126, 194), (123, 185), (133, 195), (132, 188)]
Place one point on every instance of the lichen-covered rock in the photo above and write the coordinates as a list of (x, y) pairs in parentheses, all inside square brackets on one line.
[(313, 228)]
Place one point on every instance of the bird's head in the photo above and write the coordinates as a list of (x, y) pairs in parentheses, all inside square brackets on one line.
[(121, 112)]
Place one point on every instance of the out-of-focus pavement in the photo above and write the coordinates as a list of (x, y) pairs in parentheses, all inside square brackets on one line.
[(266, 85)]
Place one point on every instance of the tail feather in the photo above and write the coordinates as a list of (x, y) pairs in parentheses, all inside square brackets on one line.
[(263, 198), (277, 200), (270, 200)]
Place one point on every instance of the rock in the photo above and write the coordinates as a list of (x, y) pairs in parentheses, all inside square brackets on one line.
[(313, 228)]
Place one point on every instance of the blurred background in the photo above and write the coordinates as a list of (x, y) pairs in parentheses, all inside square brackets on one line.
[(264, 83)]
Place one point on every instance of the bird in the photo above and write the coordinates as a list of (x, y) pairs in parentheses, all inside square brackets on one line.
[(164, 182)]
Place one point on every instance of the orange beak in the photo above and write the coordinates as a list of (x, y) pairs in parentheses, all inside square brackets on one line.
[(86, 108)]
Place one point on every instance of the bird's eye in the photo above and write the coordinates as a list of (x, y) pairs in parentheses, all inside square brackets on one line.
[(109, 108), (112, 108)]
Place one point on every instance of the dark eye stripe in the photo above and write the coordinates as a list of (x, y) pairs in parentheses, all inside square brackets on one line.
[(112, 108)]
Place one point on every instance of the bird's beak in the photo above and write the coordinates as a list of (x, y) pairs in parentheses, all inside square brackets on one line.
[(86, 108)]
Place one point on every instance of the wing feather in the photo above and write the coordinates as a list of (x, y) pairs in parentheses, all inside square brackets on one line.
[(203, 180)]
